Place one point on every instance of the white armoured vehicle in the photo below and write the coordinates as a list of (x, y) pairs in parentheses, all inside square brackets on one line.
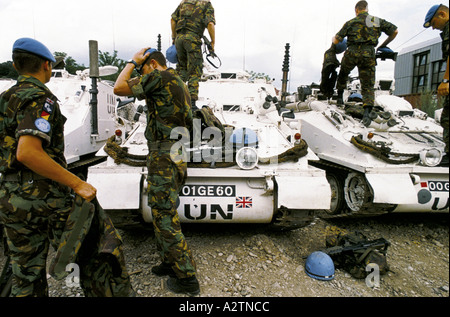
[(258, 174), (84, 138), (88, 126), (392, 165)]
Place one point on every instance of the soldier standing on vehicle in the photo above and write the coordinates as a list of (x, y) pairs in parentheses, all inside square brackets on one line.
[(169, 107), (35, 185), (437, 18), (188, 23), (362, 35)]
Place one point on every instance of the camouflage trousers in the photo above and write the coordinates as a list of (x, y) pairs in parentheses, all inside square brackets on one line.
[(165, 178), (190, 61), (445, 122), (34, 215), (364, 59)]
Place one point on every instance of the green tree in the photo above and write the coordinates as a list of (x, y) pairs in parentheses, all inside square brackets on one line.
[(106, 59), (70, 64), (254, 75), (7, 70)]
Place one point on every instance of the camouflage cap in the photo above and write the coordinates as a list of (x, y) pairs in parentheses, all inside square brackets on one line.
[(32, 46)]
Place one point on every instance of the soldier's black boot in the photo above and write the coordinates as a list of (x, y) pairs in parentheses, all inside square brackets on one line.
[(163, 269), (189, 285), (366, 116), (340, 99)]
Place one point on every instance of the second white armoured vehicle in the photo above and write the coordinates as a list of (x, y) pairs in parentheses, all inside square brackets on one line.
[(392, 165)]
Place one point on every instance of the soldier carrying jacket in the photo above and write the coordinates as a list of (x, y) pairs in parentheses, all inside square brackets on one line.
[(35, 185), (362, 34)]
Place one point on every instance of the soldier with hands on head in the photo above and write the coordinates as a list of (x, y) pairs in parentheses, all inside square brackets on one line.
[(35, 185), (362, 34), (188, 23), (437, 18), (168, 108)]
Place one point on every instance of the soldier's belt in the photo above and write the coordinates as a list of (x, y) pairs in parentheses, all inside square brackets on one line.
[(359, 46), (191, 32), (22, 176)]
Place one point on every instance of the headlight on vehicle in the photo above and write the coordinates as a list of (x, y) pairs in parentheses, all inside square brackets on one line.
[(431, 157), (247, 158)]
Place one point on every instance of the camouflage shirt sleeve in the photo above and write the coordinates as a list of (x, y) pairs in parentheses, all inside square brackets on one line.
[(342, 32), (29, 108), (176, 14), (145, 85), (445, 41), (365, 29), (209, 14), (387, 27), (36, 116)]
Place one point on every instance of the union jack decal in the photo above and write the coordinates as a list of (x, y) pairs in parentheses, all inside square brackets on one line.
[(244, 202)]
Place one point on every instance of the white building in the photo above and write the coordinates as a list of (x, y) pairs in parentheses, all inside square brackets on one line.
[(419, 68)]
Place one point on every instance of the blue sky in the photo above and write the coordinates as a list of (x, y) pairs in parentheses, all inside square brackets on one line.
[(251, 34)]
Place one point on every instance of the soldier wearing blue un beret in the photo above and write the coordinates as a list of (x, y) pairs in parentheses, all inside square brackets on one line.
[(35, 185), (34, 47)]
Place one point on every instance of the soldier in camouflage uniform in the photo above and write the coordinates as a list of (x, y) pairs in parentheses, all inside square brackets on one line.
[(35, 185), (437, 18), (362, 34), (329, 74), (188, 24), (169, 108)]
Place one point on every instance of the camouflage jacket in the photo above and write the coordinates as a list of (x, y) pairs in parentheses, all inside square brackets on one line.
[(168, 103), (91, 241), (193, 16), (29, 108), (445, 41), (365, 30)]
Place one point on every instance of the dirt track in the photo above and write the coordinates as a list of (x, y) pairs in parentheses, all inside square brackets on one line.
[(251, 261)]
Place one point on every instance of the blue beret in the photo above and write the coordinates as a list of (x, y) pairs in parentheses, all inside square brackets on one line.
[(171, 54), (341, 46), (385, 50), (150, 50), (34, 47), (430, 15)]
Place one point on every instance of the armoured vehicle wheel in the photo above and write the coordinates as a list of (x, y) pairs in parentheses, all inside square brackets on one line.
[(356, 191), (337, 194)]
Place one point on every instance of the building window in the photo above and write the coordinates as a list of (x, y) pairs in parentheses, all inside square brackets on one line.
[(420, 72), (437, 74)]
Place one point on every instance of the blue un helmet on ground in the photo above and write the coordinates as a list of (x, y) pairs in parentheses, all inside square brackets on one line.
[(34, 47), (320, 266), (171, 54)]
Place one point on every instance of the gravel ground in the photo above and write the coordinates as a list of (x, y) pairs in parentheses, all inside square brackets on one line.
[(251, 261)]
